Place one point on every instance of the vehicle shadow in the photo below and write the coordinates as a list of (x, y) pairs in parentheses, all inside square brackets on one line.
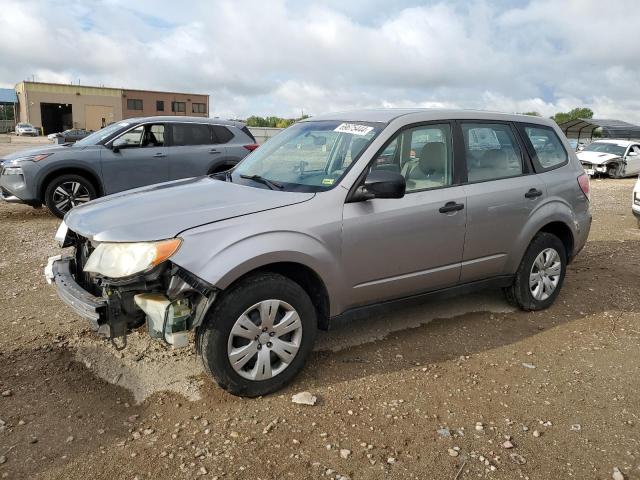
[(614, 264)]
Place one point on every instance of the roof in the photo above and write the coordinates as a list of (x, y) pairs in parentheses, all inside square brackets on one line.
[(184, 119), (584, 127), (96, 87), (387, 115), (8, 95)]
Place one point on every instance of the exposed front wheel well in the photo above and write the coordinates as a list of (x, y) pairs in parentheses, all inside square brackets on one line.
[(563, 232), (308, 280), (95, 181)]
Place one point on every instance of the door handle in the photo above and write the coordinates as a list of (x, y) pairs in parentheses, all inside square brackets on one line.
[(451, 207), (533, 193), (214, 151), (158, 155)]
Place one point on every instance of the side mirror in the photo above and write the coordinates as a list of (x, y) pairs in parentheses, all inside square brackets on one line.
[(118, 143), (382, 184)]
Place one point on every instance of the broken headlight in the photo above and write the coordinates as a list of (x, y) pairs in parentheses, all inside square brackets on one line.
[(118, 260)]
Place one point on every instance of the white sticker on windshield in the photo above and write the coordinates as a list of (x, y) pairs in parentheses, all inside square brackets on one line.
[(353, 128)]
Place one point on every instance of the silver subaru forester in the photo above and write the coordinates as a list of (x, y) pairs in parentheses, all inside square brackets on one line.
[(336, 215)]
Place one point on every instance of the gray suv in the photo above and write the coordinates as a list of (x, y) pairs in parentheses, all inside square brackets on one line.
[(331, 218), (128, 154)]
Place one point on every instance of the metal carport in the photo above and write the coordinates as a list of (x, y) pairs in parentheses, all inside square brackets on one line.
[(584, 128)]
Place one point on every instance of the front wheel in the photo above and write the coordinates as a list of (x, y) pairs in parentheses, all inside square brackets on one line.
[(68, 191), (258, 335), (540, 275)]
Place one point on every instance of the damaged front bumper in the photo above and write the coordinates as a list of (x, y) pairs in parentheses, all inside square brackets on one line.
[(171, 301), (88, 306)]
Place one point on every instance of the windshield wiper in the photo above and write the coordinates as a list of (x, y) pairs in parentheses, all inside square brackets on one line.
[(264, 181)]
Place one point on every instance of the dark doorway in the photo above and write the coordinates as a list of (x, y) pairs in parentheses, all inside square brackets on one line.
[(56, 117)]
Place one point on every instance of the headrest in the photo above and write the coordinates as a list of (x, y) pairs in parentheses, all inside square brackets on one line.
[(433, 158)]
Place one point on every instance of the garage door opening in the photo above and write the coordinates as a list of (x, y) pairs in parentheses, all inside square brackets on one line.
[(56, 117)]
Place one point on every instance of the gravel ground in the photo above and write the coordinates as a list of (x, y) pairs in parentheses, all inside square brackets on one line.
[(457, 389)]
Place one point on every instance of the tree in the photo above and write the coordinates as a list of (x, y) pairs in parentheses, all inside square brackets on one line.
[(273, 122), (574, 114)]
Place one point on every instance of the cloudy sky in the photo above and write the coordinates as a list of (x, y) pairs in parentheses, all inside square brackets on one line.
[(281, 57)]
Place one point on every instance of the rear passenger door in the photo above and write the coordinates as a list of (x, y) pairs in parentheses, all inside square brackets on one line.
[(193, 150), (502, 191)]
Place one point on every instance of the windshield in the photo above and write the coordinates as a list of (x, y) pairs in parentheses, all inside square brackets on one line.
[(308, 156), (97, 137), (605, 148)]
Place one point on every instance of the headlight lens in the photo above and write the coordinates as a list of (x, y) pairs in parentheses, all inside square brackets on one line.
[(117, 260)]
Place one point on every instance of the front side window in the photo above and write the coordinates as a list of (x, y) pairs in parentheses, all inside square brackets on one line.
[(492, 151), (191, 134), (199, 107), (548, 147), (143, 136), (178, 107), (134, 104), (423, 155), (309, 156)]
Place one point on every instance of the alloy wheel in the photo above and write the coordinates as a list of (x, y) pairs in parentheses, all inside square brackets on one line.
[(264, 340), (70, 194), (545, 274)]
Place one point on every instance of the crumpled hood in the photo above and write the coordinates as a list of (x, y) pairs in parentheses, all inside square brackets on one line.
[(596, 158), (164, 210)]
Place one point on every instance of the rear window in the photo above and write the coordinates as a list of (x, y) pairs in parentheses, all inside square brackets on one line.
[(492, 151), (548, 148), (221, 134), (184, 134)]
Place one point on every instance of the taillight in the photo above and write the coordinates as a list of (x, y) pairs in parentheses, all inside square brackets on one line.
[(583, 181), (251, 147)]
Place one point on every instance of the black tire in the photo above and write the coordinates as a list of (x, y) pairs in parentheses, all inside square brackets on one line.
[(51, 193), (519, 293), (213, 336)]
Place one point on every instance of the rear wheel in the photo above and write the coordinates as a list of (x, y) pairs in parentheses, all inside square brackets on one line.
[(258, 335), (540, 275), (68, 191)]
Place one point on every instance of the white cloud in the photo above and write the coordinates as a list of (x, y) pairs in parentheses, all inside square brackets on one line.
[(282, 57)]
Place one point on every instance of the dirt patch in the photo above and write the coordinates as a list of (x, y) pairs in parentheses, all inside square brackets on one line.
[(426, 392)]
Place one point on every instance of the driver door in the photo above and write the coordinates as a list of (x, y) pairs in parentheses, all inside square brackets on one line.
[(140, 159), (394, 248)]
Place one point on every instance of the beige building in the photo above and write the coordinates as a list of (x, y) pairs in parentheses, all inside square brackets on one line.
[(145, 103), (57, 107)]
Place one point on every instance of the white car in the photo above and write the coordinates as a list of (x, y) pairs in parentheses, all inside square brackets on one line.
[(26, 129), (612, 158), (635, 204)]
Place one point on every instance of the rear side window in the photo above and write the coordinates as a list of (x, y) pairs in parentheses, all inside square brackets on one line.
[(549, 152), (492, 151), (191, 134), (248, 133), (221, 134)]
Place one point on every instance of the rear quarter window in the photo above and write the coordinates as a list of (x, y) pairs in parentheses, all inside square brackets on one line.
[(547, 149)]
